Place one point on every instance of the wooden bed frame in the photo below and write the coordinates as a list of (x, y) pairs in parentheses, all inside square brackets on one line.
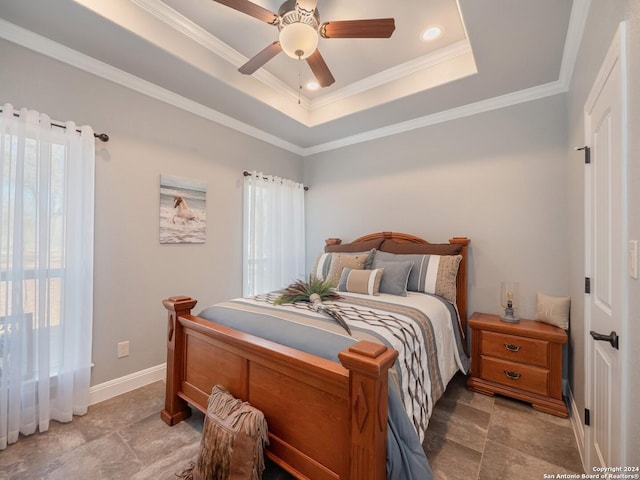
[(327, 420)]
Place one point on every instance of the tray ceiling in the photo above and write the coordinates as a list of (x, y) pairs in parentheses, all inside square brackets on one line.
[(191, 49)]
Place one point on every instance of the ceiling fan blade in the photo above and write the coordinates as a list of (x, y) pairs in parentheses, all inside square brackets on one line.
[(372, 28), (306, 7), (261, 58), (320, 69), (251, 9)]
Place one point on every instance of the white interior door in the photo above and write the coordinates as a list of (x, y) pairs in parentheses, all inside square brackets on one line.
[(605, 235)]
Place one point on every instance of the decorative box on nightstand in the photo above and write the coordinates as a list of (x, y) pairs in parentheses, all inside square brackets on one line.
[(520, 360)]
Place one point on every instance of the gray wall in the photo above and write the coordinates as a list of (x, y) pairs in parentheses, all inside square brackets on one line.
[(497, 177), (603, 21), (133, 272)]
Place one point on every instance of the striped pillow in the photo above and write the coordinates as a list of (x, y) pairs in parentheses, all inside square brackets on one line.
[(435, 274), (361, 281), (322, 265)]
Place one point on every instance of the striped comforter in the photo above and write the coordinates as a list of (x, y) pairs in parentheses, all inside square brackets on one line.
[(423, 328)]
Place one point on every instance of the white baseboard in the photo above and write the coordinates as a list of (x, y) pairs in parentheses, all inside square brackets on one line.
[(118, 386), (577, 426)]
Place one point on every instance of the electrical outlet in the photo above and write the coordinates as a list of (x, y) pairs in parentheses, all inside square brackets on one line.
[(123, 349)]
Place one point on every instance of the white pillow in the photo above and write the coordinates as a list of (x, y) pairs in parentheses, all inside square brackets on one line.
[(553, 310)]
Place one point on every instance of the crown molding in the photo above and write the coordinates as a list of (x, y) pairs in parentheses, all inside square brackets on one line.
[(495, 103), (179, 22), (188, 28), (45, 46), (430, 60), (57, 51), (575, 31)]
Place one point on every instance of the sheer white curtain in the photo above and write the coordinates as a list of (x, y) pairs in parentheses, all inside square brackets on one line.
[(273, 233), (46, 271)]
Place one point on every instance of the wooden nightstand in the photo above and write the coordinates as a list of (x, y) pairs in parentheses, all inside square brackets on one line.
[(520, 360)]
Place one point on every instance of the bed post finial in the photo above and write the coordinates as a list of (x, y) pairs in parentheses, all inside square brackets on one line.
[(175, 408), (368, 364), (332, 241)]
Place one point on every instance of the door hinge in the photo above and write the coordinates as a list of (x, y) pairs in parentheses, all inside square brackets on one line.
[(587, 416), (587, 154), (587, 285)]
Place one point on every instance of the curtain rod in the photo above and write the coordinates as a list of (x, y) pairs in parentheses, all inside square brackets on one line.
[(248, 174), (103, 137)]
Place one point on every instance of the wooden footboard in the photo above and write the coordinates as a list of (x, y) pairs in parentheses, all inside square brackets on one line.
[(327, 420)]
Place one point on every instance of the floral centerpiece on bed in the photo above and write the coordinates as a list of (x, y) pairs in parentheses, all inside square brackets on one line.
[(313, 291)]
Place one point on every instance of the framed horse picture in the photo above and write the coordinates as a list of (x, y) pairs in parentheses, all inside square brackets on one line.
[(183, 211)]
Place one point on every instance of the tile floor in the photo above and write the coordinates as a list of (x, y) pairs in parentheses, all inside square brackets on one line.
[(473, 436), (470, 437)]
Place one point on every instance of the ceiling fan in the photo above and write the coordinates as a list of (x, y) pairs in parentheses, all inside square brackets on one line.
[(300, 28)]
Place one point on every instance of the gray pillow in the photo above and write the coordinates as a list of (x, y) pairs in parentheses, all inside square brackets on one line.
[(435, 274), (395, 276), (413, 285)]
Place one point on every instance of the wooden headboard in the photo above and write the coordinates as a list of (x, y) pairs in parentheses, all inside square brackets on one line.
[(461, 286)]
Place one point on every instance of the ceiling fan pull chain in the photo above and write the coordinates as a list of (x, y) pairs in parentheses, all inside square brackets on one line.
[(299, 78)]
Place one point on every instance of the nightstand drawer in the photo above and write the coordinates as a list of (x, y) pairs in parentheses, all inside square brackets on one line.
[(516, 375), (515, 348)]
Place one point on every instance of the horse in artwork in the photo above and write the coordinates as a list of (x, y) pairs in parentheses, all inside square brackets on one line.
[(182, 210)]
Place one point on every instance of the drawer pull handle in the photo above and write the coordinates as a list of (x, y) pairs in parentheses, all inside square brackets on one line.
[(511, 347), (512, 375)]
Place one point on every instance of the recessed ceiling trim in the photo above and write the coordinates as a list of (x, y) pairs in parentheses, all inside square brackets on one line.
[(203, 37), (45, 46), (179, 22), (431, 60), (527, 95), (425, 79), (37, 43), (575, 31)]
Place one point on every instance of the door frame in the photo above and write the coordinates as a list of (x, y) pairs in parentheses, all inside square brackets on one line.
[(616, 54)]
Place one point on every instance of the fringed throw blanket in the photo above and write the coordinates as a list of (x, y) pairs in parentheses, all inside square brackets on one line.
[(232, 442)]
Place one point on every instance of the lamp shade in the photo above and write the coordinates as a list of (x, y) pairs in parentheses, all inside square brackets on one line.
[(509, 293), (298, 40), (509, 300)]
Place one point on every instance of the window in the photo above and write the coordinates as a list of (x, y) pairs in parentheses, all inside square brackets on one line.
[(46, 271), (273, 233)]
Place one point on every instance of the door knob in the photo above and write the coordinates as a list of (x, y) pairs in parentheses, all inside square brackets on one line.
[(612, 338)]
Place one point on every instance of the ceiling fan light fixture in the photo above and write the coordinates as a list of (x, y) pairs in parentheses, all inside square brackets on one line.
[(298, 40), (313, 85)]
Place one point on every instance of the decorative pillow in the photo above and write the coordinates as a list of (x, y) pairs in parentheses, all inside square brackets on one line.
[(391, 246), (553, 310), (354, 246), (361, 281), (395, 276), (435, 274), (322, 265), (345, 260)]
